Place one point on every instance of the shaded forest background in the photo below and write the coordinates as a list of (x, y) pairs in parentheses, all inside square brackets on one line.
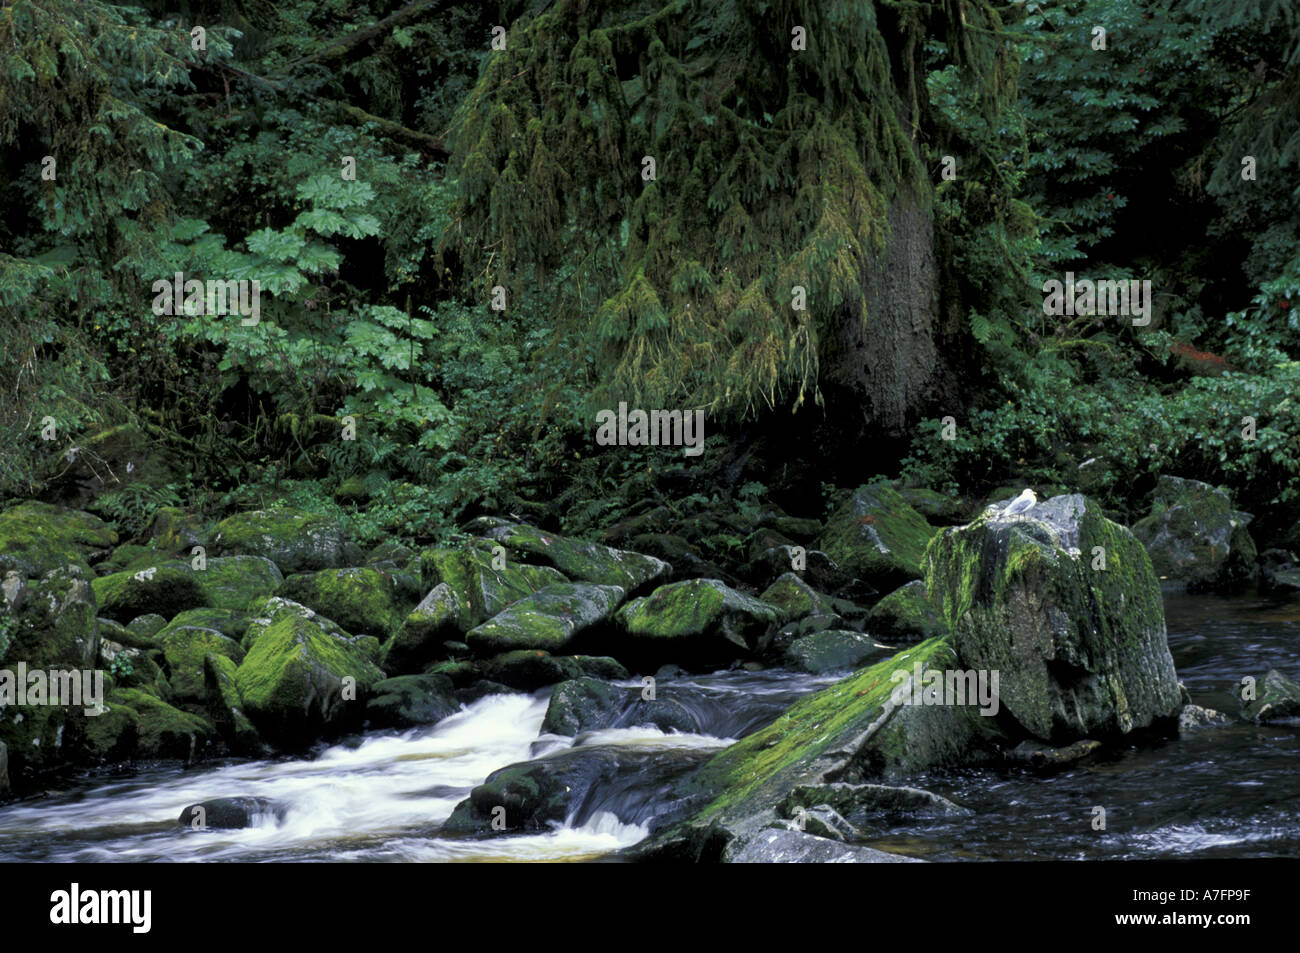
[(522, 169)]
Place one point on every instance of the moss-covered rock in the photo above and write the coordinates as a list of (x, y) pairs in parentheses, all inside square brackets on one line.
[(583, 704), (1196, 538), (602, 666), (700, 622), (1081, 650), (1277, 699), (164, 732), (164, 589), (174, 531), (481, 588), (133, 668), (234, 582), (121, 455), (551, 618), (36, 538), (143, 628), (186, 641), (906, 615), (130, 557), (936, 507), (295, 540), (530, 669), (422, 635), (303, 676), (863, 728), (360, 600), (834, 650), (582, 560), (877, 537), (411, 700), (795, 597), (226, 706)]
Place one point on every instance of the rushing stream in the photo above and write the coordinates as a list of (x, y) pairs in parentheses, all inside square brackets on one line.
[(1230, 791)]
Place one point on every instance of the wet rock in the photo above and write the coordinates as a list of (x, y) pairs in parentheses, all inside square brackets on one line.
[(1194, 716), (411, 700), (529, 669), (795, 597), (1196, 538), (794, 847), (906, 615), (230, 813), (864, 804), (1279, 573), (295, 540), (423, 635), (303, 676), (574, 783), (1277, 699), (162, 732), (835, 650), (1080, 651), (702, 622), (583, 704), (1038, 755), (877, 537), (603, 667), (551, 618)]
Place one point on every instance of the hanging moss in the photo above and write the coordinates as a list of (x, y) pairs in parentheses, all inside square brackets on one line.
[(774, 168)]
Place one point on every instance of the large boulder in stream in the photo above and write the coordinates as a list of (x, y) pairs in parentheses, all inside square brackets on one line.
[(1196, 538), (1064, 605), (701, 623), (303, 676), (877, 724), (1275, 699)]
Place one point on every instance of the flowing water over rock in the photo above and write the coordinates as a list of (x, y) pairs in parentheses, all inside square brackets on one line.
[(1217, 791)]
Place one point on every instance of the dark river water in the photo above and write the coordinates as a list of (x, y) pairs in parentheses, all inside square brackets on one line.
[(1231, 791)]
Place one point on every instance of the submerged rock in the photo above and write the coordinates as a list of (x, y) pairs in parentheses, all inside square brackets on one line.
[(861, 804), (1195, 537), (1080, 650), (1038, 755)]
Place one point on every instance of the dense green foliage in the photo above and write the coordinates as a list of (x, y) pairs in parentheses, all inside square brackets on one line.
[(523, 168)]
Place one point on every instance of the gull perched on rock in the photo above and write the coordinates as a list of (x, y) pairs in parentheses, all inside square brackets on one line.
[(1021, 503)]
